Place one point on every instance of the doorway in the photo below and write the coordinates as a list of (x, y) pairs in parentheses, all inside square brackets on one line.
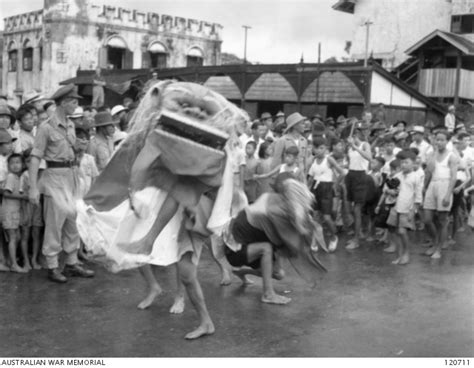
[(115, 57)]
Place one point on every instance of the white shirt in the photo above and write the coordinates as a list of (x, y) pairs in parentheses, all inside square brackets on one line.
[(321, 172), (450, 122), (410, 192), (424, 149)]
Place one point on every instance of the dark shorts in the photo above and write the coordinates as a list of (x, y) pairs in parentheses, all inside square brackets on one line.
[(356, 184), (372, 197), (457, 198), (324, 194), (245, 234)]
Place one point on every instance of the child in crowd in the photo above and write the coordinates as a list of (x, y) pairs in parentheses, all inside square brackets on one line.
[(250, 185), (387, 203), (375, 185), (290, 165), (321, 185), (5, 151), (87, 171), (11, 212), (31, 219), (409, 199), (265, 153), (341, 206), (420, 175), (87, 168)]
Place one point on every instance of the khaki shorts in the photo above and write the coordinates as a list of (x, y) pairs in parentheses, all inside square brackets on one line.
[(31, 215), (11, 219), (405, 220), (435, 194)]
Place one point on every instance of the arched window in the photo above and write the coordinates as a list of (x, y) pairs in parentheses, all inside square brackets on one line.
[(195, 57), (27, 55), (118, 54), (12, 57), (158, 55)]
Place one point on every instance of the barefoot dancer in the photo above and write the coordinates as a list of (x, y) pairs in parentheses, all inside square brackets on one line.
[(276, 223), (140, 209)]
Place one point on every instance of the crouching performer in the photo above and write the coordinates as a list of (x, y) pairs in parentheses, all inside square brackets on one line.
[(277, 225), (166, 186)]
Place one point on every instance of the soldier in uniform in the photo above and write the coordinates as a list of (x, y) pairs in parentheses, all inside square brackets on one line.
[(293, 136), (54, 142)]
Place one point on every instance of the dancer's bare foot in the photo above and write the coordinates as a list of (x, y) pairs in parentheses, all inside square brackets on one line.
[(206, 328), (405, 259), (392, 248), (152, 294), (35, 265), (242, 275), (275, 299), (4, 268), (27, 266), (397, 261), (226, 279), (436, 255), (16, 268), (178, 307)]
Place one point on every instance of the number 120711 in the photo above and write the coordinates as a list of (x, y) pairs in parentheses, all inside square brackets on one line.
[(456, 362)]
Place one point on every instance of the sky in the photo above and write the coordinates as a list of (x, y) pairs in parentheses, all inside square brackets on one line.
[(281, 30)]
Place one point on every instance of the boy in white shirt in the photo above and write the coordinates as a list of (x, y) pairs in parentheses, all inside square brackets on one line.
[(408, 201)]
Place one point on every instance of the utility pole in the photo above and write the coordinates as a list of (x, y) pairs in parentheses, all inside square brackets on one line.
[(318, 73), (367, 24), (245, 43)]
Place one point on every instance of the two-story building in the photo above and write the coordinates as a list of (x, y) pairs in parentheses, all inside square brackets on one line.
[(44, 47)]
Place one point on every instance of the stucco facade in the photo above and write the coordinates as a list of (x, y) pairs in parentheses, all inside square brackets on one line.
[(67, 35), (397, 25)]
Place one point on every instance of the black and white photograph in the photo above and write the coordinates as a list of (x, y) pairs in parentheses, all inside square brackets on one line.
[(236, 179)]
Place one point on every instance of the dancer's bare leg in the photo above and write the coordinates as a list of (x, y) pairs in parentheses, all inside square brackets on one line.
[(178, 303), (431, 230), (219, 258), (188, 275), (264, 252), (145, 245), (153, 287)]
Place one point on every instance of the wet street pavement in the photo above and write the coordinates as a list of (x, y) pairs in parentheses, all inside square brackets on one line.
[(363, 307)]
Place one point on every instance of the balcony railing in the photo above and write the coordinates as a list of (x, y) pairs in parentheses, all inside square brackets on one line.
[(442, 83)]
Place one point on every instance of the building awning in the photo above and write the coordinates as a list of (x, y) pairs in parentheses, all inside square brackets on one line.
[(88, 77), (457, 41), (195, 52), (157, 47), (117, 42)]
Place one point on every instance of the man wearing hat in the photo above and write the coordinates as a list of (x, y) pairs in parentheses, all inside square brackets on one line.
[(279, 119), (102, 146), (54, 142), (119, 114), (77, 117), (293, 136), (419, 142)]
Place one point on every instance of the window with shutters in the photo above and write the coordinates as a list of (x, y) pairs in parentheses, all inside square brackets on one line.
[(195, 57), (28, 59), (12, 60)]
